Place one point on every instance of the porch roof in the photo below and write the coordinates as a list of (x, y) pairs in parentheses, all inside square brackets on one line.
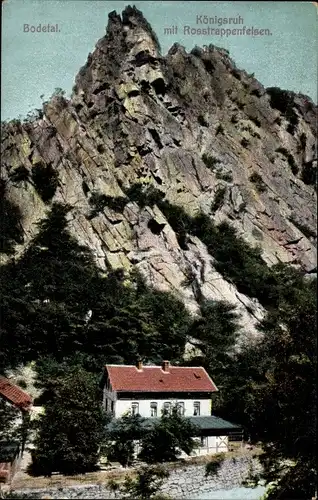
[(210, 422), (207, 423)]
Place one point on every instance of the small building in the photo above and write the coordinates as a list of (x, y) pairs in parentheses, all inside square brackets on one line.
[(149, 390), (11, 450), (14, 395), (10, 456)]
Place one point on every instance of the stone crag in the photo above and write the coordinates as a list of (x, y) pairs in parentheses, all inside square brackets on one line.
[(193, 125)]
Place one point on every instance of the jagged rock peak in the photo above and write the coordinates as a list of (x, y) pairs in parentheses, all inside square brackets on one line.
[(129, 42)]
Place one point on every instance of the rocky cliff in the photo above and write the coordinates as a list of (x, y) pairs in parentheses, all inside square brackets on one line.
[(202, 131)]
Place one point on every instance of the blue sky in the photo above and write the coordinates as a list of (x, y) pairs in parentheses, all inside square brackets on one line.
[(37, 63)]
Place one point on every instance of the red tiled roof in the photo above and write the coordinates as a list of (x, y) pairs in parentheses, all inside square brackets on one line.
[(14, 394), (154, 379)]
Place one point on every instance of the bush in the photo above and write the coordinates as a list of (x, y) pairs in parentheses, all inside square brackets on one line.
[(202, 121), (244, 142), (309, 174), (224, 176), (214, 465), (146, 484), (120, 439), (218, 198), (99, 201), (10, 216), (19, 174), (22, 383), (144, 195), (209, 161), (167, 438), (284, 102), (258, 181), (45, 179), (219, 129), (290, 159)]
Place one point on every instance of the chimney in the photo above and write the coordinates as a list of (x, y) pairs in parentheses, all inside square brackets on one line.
[(139, 364), (165, 366)]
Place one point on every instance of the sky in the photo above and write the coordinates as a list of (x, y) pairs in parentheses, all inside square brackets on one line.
[(34, 64)]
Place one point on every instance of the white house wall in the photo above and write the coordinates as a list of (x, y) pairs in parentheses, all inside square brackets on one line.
[(211, 445), (123, 406)]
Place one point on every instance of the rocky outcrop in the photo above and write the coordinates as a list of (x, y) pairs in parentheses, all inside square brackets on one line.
[(191, 124)]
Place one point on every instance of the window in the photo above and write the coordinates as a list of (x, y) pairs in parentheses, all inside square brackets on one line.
[(196, 408), (167, 408), (153, 409), (180, 407), (204, 441), (134, 408)]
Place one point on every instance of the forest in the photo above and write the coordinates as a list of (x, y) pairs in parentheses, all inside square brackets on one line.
[(64, 314)]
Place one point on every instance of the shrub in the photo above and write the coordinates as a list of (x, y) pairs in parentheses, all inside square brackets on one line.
[(236, 74), (22, 383), (284, 102), (218, 198), (219, 129), (302, 143), (19, 174), (279, 99), (147, 483), (120, 445), (290, 159), (202, 121), (45, 180), (167, 438), (144, 195), (11, 227), (224, 176), (244, 142), (99, 201), (209, 161), (258, 181), (214, 465), (309, 174)]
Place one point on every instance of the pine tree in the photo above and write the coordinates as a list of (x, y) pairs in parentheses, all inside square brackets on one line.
[(70, 432)]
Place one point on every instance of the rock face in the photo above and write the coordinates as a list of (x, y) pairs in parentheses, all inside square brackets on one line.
[(202, 131)]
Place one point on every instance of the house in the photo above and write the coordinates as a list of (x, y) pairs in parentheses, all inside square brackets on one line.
[(10, 449), (150, 390)]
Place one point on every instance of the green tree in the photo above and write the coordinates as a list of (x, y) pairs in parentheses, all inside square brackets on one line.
[(45, 313), (165, 441), (71, 430), (145, 485), (121, 438), (9, 430), (286, 401), (274, 392)]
